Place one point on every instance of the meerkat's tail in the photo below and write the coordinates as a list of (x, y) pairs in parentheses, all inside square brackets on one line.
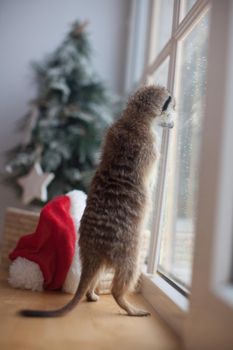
[(85, 279)]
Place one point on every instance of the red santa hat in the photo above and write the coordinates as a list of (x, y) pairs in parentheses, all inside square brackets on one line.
[(49, 257)]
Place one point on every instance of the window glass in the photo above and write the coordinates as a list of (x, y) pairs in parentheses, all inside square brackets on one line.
[(186, 6), (162, 24), (160, 77), (180, 193), (140, 32), (161, 74)]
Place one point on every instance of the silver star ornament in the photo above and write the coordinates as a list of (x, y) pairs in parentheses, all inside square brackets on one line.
[(34, 184)]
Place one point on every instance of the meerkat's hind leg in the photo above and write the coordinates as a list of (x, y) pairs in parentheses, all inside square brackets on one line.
[(91, 294), (121, 285)]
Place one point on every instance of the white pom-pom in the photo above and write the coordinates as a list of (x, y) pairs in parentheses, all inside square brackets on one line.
[(26, 274), (73, 276), (78, 203)]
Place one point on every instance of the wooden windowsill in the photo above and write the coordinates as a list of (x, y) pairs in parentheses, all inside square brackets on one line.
[(100, 325)]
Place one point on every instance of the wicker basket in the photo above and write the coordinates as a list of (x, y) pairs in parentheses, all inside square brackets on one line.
[(20, 222)]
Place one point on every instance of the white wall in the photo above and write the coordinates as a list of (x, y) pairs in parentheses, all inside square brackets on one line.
[(31, 28)]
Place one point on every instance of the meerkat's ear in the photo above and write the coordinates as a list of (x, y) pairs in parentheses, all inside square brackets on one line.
[(166, 104)]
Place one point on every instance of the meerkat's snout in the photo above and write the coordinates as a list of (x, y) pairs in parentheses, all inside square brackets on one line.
[(166, 118)]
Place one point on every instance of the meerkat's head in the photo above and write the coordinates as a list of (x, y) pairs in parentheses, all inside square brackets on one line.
[(152, 100)]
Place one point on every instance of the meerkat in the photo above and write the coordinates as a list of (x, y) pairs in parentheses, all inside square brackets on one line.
[(112, 222)]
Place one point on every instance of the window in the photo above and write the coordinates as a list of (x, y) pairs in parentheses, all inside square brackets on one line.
[(179, 210), (178, 60), (161, 74), (162, 25), (186, 5), (189, 264)]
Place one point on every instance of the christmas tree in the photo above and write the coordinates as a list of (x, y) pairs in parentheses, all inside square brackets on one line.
[(65, 123)]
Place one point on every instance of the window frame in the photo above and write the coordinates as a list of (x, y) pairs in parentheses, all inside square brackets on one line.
[(211, 303), (175, 309), (176, 305), (179, 30)]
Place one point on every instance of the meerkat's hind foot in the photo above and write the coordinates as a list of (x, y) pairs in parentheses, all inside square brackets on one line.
[(92, 296), (130, 309), (138, 313)]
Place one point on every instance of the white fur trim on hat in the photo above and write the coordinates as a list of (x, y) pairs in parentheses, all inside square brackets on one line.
[(25, 274), (78, 203), (77, 206)]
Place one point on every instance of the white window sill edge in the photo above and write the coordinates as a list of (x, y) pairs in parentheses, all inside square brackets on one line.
[(167, 302)]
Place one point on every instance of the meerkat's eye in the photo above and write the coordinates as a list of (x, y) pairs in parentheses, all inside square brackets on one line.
[(166, 104)]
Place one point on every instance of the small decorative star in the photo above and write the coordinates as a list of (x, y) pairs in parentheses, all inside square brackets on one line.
[(34, 184)]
